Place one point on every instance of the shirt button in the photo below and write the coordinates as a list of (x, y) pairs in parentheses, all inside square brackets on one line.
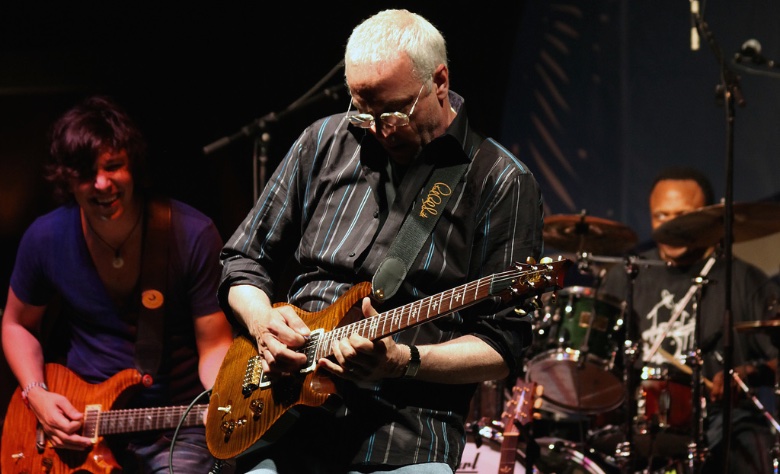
[(351, 254), (376, 214)]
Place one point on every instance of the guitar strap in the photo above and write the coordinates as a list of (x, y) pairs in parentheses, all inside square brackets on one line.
[(417, 225), (154, 278)]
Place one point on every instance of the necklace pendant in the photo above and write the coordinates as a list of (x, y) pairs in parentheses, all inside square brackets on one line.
[(118, 262)]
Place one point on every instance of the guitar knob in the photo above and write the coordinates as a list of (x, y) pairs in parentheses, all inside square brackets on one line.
[(257, 407), (228, 427)]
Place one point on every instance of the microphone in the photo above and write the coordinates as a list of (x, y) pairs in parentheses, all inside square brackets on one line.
[(751, 50)]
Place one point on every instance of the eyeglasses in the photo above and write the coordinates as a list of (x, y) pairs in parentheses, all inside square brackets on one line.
[(393, 119)]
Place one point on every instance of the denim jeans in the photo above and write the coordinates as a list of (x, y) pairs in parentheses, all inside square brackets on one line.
[(268, 466), (751, 442), (190, 454)]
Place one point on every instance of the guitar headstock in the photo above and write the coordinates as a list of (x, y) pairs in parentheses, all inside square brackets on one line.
[(522, 405), (533, 278)]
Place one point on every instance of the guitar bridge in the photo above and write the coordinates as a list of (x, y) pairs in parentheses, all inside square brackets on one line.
[(310, 349), (254, 377)]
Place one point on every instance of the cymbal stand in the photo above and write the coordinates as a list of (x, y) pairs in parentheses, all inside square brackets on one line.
[(624, 451), (776, 393), (742, 385), (697, 450), (583, 265), (768, 416), (757, 403)]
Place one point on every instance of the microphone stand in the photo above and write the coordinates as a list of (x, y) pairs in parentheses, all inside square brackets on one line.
[(731, 94), (258, 128)]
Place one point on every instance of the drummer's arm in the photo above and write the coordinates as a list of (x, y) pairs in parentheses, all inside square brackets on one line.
[(759, 372), (752, 374)]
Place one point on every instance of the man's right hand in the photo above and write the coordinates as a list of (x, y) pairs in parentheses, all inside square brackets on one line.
[(60, 420), (279, 331)]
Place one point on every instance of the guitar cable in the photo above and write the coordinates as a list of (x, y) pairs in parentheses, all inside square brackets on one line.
[(181, 422)]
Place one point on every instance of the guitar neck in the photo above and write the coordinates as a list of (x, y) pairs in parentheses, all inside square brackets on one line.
[(140, 419), (508, 457), (430, 308)]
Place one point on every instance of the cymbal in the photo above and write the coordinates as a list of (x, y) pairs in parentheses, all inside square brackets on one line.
[(704, 227), (581, 233), (760, 325)]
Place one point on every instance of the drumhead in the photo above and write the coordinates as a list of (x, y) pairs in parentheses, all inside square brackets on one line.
[(574, 387), (555, 456)]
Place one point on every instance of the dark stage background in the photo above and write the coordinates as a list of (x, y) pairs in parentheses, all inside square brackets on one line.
[(595, 96), (191, 75)]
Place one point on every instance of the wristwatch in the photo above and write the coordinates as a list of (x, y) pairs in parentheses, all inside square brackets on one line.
[(414, 363)]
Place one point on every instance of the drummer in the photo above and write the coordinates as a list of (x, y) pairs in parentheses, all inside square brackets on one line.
[(657, 290)]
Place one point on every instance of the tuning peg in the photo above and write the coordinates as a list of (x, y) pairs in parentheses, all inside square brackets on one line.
[(530, 261), (546, 260)]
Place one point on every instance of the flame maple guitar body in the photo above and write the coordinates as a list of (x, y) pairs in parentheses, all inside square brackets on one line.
[(245, 403), (24, 450), (20, 453), (231, 431)]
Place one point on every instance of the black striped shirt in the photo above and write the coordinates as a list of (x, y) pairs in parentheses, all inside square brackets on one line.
[(325, 207)]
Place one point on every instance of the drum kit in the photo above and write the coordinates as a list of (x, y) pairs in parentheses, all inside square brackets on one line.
[(578, 352)]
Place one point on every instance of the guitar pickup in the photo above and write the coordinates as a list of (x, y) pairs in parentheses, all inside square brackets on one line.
[(254, 377), (92, 422), (310, 349)]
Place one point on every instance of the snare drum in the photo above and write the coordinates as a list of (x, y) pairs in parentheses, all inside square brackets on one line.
[(578, 338), (556, 456)]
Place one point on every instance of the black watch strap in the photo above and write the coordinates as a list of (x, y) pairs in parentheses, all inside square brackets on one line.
[(414, 363)]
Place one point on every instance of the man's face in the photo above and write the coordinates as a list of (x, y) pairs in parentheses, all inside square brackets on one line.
[(669, 199), (108, 191), (392, 87)]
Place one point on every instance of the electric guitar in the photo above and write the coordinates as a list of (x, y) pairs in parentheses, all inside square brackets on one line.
[(25, 449), (519, 410), (245, 402)]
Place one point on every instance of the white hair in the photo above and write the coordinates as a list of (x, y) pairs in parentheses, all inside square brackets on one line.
[(391, 33)]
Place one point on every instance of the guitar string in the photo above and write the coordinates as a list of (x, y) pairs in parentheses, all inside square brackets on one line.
[(108, 421), (331, 337)]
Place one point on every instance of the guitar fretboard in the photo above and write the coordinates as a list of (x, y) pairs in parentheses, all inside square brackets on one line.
[(97, 423), (432, 307)]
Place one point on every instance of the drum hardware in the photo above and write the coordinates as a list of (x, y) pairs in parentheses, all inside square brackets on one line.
[(684, 368), (555, 456), (771, 326), (636, 421), (743, 386)]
